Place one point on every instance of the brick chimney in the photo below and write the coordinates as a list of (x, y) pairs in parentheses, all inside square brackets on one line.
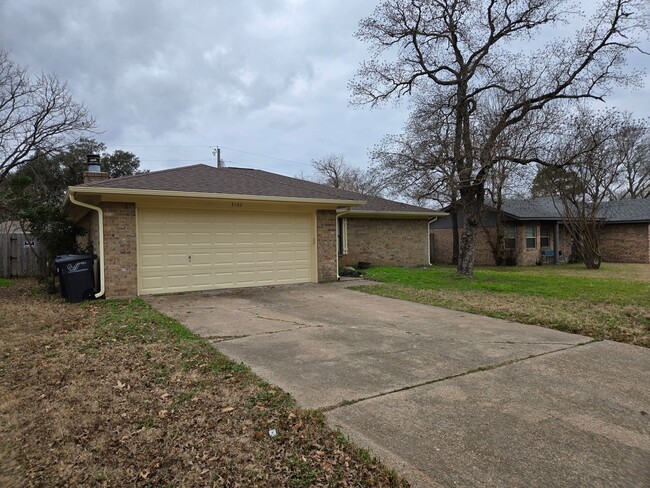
[(94, 173)]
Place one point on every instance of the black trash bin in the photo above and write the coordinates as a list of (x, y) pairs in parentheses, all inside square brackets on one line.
[(77, 276)]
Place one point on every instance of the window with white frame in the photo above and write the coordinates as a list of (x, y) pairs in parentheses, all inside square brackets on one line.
[(531, 236)]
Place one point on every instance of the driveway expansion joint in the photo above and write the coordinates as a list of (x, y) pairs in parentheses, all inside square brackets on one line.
[(294, 322), (539, 343), (302, 326), (347, 403), (217, 339)]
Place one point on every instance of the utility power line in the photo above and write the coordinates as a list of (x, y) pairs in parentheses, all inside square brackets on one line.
[(151, 146)]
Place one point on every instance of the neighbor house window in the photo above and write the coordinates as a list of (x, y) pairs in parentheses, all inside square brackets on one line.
[(531, 237), (510, 236), (545, 236)]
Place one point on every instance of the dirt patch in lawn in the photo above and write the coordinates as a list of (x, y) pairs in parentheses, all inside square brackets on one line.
[(629, 323), (111, 393)]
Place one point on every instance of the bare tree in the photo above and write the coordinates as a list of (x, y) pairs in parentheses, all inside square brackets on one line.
[(332, 170), (580, 186), (458, 50), (37, 115), (627, 147), (418, 162), (632, 153)]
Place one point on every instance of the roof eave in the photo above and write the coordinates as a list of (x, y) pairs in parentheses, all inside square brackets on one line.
[(628, 221), (524, 219), (96, 190), (395, 214)]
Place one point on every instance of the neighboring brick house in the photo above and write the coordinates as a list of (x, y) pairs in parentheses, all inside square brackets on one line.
[(531, 226), (384, 232), (201, 228)]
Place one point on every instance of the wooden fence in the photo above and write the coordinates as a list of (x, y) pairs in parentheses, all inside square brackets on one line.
[(17, 259)]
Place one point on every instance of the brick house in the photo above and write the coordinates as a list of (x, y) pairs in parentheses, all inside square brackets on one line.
[(531, 227), (201, 228)]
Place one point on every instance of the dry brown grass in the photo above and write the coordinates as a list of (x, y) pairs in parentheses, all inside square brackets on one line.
[(628, 323), (617, 271), (132, 400)]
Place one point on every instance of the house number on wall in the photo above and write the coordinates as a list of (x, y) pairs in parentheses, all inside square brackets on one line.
[(237, 204)]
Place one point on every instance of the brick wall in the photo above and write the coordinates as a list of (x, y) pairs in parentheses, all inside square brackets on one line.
[(529, 256), (443, 248), (625, 243), (120, 250), (94, 176), (484, 256), (387, 242), (326, 245), (526, 256)]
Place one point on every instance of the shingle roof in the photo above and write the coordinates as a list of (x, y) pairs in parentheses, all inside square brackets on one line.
[(636, 210), (202, 178), (532, 209), (543, 208), (377, 204)]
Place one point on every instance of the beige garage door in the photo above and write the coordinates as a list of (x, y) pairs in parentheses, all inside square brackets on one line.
[(186, 250)]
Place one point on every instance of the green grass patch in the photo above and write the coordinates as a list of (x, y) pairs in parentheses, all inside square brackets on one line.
[(544, 281), (5, 283), (601, 306), (135, 320), (305, 473)]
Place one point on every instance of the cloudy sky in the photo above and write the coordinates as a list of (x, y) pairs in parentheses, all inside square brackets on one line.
[(266, 80)]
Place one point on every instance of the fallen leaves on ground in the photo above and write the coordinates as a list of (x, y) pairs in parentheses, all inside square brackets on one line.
[(111, 393)]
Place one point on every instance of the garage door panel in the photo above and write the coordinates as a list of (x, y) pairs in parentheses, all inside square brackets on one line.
[(202, 279), (302, 256), (223, 258), (177, 260), (151, 238), (265, 257), (202, 258), (224, 277), (284, 237), (198, 239), (227, 249), (266, 239)]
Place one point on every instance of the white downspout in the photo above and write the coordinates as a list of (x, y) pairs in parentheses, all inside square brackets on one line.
[(338, 216), (100, 225)]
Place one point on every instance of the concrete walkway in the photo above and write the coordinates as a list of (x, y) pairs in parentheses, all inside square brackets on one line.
[(447, 398)]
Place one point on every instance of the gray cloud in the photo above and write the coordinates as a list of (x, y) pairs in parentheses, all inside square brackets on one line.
[(267, 76)]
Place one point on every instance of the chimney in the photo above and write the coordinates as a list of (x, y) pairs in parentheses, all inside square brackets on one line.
[(94, 172)]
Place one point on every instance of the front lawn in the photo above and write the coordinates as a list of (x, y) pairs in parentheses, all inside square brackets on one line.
[(610, 303), (112, 393)]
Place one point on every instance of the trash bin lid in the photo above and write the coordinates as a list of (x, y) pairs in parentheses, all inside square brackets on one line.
[(73, 258)]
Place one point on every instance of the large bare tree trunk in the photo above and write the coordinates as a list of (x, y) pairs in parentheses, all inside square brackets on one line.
[(467, 246), (472, 200)]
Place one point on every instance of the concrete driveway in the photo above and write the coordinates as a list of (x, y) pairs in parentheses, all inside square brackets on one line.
[(447, 398)]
